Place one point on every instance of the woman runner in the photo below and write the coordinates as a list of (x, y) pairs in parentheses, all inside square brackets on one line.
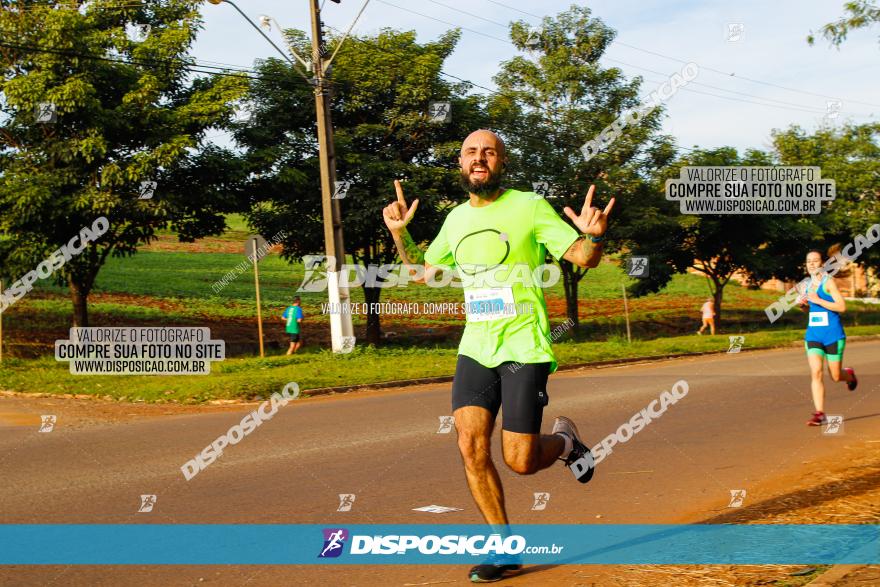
[(825, 338)]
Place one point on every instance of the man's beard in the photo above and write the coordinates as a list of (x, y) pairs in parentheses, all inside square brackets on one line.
[(482, 189)]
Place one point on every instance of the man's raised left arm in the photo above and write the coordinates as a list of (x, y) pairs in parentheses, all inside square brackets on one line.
[(586, 251)]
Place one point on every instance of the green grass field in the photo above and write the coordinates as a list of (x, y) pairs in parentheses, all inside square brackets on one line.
[(173, 286), (190, 276), (184, 295), (250, 378)]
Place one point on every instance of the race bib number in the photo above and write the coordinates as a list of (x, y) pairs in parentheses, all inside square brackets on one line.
[(818, 318), (483, 305)]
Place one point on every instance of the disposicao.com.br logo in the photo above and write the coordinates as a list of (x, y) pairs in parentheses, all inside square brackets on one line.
[(334, 541), (452, 544)]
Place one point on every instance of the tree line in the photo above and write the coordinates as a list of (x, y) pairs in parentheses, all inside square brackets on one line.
[(130, 110)]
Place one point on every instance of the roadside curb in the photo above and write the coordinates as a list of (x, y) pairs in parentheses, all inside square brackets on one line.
[(832, 575)]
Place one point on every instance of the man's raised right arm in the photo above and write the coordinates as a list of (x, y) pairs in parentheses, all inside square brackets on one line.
[(397, 215), (410, 253)]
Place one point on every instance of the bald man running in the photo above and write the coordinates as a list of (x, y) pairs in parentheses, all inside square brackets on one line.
[(505, 357)]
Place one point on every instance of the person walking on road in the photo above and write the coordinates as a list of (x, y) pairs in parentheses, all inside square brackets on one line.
[(505, 357)]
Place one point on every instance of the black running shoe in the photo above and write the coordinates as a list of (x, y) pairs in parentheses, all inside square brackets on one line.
[(580, 459), (488, 573)]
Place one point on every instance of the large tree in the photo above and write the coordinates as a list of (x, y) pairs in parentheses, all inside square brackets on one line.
[(553, 100), (850, 155), (127, 110), (857, 14), (759, 247), (382, 87), (715, 245)]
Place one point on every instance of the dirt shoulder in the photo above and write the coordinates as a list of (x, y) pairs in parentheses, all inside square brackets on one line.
[(18, 409), (840, 490)]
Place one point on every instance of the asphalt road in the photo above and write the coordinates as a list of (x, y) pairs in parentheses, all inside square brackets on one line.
[(741, 423)]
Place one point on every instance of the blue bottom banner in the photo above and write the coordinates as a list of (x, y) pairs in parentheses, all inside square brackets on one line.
[(353, 544)]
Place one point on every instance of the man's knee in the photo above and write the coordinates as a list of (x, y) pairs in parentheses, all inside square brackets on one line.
[(474, 448), (836, 375), (521, 453), (521, 463)]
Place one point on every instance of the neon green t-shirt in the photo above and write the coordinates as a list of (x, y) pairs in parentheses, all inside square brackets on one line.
[(494, 250)]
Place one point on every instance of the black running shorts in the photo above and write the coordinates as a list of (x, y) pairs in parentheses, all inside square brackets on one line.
[(519, 388)]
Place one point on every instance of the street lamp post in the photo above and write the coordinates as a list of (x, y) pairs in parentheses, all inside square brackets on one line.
[(341, 329)]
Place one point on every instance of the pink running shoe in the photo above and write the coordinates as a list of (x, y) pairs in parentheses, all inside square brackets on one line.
[(851, 385), (818, 419)]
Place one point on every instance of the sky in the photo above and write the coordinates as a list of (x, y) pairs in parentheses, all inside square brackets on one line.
[(756, 70)]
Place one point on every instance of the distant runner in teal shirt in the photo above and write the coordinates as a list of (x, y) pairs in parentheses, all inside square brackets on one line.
[(505, 355), (293, 317)]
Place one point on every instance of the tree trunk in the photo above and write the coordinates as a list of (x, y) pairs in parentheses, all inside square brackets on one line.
[(570, 281), (79, 293), (717, 296), (374, 328), (369, 256)]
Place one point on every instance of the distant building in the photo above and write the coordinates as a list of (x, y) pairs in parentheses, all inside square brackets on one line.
[(853, 281)]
